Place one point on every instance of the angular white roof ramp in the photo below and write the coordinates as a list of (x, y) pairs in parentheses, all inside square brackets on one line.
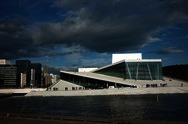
[(100, 77), (60, 83), (142, 60), (109, 65)]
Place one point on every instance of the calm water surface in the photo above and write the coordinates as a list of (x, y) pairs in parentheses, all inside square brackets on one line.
[(172, 107)]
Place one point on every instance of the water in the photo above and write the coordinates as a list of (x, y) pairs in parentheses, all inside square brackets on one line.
[(170, 107)]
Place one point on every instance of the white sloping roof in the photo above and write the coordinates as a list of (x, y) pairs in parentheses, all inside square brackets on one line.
[(62, 82)]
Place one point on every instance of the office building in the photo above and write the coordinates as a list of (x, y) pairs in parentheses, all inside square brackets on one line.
[(4, 62), (22, 74), (8, 77), (23, 67), (36, 74)]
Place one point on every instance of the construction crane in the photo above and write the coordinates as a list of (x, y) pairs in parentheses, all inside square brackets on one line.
[(45, 64)]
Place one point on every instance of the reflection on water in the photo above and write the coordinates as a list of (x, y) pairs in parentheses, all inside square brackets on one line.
[(142, 107)]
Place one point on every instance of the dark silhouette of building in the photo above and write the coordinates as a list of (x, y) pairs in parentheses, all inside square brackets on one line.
[(31, 71), (22, 74), (36, 74), (8, 77), (23, 67)]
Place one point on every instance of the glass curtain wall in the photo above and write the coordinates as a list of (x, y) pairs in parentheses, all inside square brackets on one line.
[(117, 70), (144, 70), (135, 70)]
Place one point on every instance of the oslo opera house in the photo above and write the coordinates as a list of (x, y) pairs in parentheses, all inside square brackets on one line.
[(126, 70)]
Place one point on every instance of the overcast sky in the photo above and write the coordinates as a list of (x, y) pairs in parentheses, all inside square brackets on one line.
[(86, 32)]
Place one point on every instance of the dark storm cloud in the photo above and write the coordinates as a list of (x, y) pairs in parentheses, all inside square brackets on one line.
[(169, 50), (96, 25), (111, 25), (14, 38), (16, 42)]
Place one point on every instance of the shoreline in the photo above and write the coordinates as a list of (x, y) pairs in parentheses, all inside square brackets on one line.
[(114, 91), (171, 87), (96, 92), (17, 119)]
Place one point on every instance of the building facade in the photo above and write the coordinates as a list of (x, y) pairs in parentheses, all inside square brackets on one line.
[(124, 71), (22, 74), (23, 67), (8, 76), (36, 74), (4, 62), (134, 69)]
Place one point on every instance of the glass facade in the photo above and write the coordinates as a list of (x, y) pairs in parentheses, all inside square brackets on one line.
[(134, 70), (143, 70), (117, 70)]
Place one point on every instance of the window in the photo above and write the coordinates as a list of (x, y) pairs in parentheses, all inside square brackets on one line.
[(55, 88), (66, 88)]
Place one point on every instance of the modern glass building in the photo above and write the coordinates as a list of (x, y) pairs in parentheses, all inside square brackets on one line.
[(146, 69), (89, 82), (124, 66)]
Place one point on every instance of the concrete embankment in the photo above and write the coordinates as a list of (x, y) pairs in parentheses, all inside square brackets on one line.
[(115, 91), (63, 120), (10, 92)]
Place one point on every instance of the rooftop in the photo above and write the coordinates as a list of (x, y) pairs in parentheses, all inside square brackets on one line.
[(138, 83)]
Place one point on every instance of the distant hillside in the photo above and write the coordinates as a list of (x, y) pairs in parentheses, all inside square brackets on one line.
[(176, 71)]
